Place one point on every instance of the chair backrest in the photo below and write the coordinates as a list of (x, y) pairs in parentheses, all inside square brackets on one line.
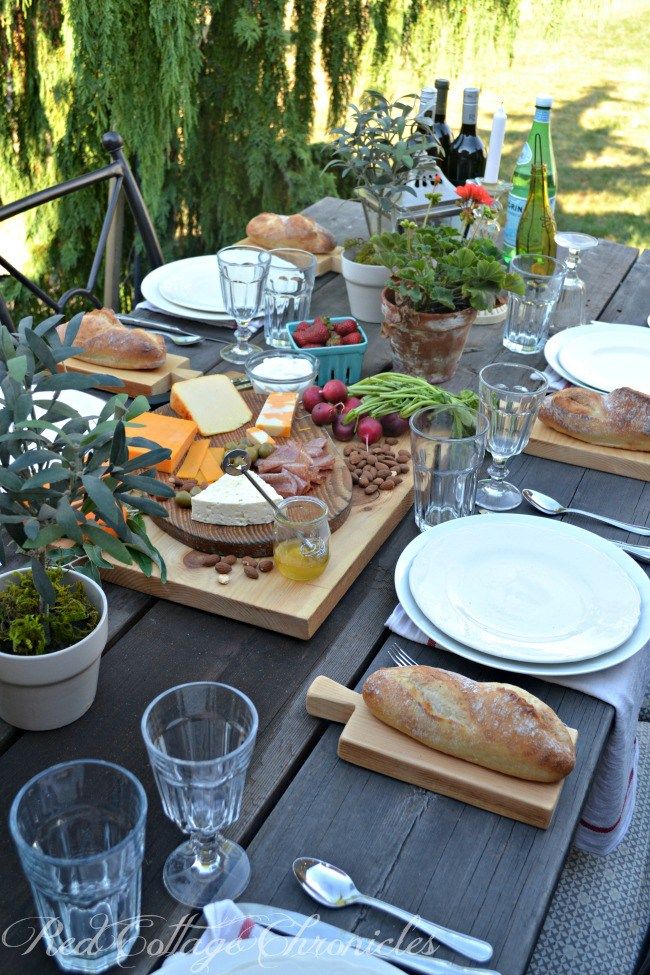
[(120, 172)]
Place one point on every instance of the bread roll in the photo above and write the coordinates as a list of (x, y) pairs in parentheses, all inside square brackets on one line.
[(617, 419), (499, 726), (272, 230), (107, 342)]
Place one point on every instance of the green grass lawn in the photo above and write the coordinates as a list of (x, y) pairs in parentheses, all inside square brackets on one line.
[(597, 71)]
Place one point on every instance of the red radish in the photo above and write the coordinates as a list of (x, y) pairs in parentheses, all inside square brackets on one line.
[(351, 403), (323, 414), (369, 430), (335, 391), (342, 431), (311, 397), (394, 425)]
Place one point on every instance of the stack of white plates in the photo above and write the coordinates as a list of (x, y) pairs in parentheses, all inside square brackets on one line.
[(602, 356), (190, 288), (525, 595)]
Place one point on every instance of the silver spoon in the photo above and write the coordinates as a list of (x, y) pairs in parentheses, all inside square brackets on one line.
[(189, 339), (237, 462), (332, 887), (549, 506)]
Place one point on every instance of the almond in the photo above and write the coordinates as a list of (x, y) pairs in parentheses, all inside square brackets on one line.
[(251, 571), (265, 565)]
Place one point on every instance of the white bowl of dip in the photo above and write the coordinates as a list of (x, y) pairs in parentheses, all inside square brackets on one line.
[(281, 371)]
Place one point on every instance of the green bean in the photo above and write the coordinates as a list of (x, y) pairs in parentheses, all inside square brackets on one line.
[(394, 392)]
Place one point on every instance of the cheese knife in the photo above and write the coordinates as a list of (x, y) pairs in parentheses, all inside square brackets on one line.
[(292, 923)]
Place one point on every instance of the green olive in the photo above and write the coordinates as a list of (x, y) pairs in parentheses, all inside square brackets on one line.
[(195, 490), (265, 449), (252, 453), (183, 499)]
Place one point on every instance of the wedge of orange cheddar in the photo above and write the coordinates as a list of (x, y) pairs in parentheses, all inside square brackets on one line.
[(166, 431), (210, 469), (277, 413), (194, 457)]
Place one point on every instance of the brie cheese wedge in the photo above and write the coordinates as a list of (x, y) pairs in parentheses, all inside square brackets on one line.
[(234, 501)]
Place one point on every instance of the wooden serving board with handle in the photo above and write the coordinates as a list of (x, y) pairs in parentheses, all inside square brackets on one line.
[(257, 540), (373, 745), (549, 443), (324, 262), (148, 382)]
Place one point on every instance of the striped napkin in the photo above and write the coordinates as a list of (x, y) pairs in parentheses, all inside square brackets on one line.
[(610, 804)]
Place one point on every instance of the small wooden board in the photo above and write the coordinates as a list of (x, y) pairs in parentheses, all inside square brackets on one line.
[(324, 262), (373, 745), (257, 540), (549, 443), (148, 382), (273, 602)]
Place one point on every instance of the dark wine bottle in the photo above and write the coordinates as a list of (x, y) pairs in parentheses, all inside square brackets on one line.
[(441, 128), (466, 159)]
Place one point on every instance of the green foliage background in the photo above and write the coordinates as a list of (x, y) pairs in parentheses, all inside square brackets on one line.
[(214, 100)]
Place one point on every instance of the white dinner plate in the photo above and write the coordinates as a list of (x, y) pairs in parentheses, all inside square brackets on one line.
[(194, 283), (555, 344), (150, 288), (523, 592), (608, 359), (632, 645), (276, 955)]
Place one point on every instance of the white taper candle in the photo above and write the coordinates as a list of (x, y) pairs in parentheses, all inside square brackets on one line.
[(496, 146)]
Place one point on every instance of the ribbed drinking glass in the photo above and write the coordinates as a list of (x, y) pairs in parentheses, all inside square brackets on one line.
[(528, 316), (79, 831), (287, 296), (200, 739), (242, 273)]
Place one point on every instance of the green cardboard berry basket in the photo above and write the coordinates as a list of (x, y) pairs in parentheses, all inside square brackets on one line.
[(342, 362)]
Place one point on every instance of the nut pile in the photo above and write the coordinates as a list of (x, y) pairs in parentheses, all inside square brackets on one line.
[(379, 468), (224, 564)]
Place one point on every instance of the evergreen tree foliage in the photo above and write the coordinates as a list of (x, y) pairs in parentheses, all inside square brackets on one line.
[(214, 100)]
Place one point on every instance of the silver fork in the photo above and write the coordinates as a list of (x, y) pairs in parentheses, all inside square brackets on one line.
[(400, 657)]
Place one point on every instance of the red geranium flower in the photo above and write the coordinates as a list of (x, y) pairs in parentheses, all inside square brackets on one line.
[(475, 194)]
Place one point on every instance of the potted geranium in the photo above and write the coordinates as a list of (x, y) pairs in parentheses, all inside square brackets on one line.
[(438, 283), (69, 496)]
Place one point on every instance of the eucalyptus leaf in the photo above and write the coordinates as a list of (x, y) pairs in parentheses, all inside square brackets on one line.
[(43, 585), (75, 380), (102, 498), (146, 505), (108, 543)]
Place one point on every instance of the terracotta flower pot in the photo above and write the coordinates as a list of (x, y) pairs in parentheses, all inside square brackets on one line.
[(423, 344)]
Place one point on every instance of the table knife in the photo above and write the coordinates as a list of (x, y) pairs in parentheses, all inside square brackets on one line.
[(162, 327), (292, 923)]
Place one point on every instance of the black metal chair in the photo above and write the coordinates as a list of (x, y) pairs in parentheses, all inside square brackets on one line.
[(119, 171)]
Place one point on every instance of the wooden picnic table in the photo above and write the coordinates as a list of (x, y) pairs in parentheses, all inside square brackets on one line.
[(463, 867)]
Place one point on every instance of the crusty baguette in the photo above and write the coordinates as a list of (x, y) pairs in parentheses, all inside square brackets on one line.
[(107, 342), (617, 419), (499, 726), (273, 230)]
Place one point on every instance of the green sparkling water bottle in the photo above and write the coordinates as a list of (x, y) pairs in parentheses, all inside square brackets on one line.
[(536, 230), (521, 177)]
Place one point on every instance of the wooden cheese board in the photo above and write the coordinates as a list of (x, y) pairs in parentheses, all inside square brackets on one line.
[(373, 745), (553, 445), (148, 382), (272, 601), (324, 262), (257, 540)]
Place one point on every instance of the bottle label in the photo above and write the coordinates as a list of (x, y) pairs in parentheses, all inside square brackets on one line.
[(470, 114), (516, 206), (542, 114), (525, 155)]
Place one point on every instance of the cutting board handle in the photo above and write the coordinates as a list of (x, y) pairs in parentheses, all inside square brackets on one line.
[(327, 699)]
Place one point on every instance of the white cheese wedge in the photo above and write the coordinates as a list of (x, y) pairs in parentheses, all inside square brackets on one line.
[(233, 500)]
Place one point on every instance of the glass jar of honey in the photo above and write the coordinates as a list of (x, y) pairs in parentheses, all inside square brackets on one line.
[(301, 534)]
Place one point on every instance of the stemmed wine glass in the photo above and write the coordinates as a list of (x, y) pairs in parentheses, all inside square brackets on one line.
[(200, 739), (243, 271), (571, 308), (510, 397)]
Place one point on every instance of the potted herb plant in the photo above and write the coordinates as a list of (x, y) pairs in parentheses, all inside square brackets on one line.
[(439, 281), (365, 278), (69, 496)]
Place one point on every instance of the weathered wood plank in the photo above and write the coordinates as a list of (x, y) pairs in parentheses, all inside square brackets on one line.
[(631, 301)]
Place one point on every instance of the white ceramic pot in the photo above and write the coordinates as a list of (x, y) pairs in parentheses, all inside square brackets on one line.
[(364, 283), (53, 689)]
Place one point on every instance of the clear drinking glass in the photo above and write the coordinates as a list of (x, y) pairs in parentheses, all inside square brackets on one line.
[(287, 297), (79, 831), (445, 466), (200, 739), (528, 316), (571, 308), (301, 537), (243, 271), (510, 397)]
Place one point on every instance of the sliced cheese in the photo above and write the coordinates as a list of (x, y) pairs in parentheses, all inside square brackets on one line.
[(256, 436), (277, 413), (212, 402), (210, 470), (167, 431), (234, 501), (189, 469)]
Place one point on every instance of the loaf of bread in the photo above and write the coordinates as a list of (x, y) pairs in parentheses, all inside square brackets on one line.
[(107, 342), (617, 419), (498, 726), (272, 230)]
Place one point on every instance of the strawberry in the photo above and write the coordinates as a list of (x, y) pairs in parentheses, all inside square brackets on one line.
[(352, 338), (316, 334), (334, 340), (302, 326), (345, 327), (299, 337), (311, 345)]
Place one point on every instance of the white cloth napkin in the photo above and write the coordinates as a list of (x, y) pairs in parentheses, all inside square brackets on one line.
[(610, 804), (254, 326), (226, 927), (555, 380)]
